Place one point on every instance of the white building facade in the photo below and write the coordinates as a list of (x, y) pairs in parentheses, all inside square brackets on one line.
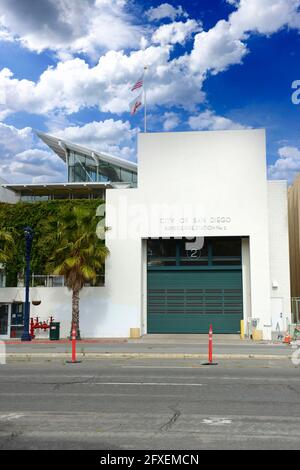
[(202, 239)]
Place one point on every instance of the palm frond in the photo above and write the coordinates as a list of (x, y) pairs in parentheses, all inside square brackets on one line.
[(78, 254)]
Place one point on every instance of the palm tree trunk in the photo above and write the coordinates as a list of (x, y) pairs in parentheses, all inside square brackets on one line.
[(75, 312)]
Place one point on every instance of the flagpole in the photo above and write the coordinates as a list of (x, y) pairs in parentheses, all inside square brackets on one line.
[(145, 101)]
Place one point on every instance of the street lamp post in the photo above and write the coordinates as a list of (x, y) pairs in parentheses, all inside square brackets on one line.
[(28, 243)]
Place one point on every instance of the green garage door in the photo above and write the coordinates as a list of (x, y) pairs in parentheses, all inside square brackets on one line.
[(189, 301)]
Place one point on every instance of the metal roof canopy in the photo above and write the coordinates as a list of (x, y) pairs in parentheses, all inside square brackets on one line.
[(40, 189), (60, 146)]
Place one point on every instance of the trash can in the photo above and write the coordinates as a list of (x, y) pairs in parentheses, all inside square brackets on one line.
[(54, 330)]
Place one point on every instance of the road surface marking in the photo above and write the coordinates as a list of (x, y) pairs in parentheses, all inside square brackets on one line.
[(10, 416), (216, 421), (143, 383)]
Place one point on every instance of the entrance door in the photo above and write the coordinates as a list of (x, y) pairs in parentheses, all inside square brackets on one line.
[(188, 302), (188, 291), (4, 321), (278, 319)]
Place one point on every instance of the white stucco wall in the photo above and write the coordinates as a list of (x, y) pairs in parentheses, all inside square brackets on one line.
[(204, 175), (279, 254), (246, 284), (98, 316)]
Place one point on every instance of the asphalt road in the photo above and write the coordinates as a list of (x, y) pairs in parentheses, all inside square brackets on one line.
[(149, 404), (163, 347)]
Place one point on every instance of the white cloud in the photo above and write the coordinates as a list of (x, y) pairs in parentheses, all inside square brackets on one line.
[(114, 137), (68, 25), (23, 161), (13, 139), (165, 10), (287, 165), (264, 16), (74, 84), (35, 165), (208, 120), (289, 152), (144, 43), (225, 44), (177, 32), (171, 121), (216, 49)]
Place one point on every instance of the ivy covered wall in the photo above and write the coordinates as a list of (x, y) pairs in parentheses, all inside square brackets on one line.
[(14, 217)]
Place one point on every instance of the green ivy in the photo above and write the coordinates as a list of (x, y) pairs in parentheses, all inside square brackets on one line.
[(14, 217)]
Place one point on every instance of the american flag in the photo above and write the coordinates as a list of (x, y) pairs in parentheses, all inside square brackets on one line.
[(138, 84)]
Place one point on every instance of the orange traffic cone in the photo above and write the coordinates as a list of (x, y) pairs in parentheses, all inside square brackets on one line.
[(287, 338)]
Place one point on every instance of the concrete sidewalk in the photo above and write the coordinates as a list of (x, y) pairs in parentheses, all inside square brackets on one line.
[(154, 346)]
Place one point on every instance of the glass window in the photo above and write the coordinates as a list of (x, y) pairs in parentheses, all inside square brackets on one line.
[(82, 168), (35, 198), (16, 320), (3, 319), (126, 176), (193, 257), (17, 313), (226, 251), (62, 196), (2, 278), (161, 252), (226, 246)]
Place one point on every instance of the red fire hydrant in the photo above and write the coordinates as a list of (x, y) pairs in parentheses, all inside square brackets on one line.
[(35, 324)]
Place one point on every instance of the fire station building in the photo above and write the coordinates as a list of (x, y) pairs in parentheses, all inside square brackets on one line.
[(197, 236)]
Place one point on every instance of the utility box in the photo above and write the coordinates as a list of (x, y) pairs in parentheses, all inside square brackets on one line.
[(54, 331)]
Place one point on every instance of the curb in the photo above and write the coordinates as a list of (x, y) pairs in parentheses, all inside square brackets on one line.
[(29, 356)]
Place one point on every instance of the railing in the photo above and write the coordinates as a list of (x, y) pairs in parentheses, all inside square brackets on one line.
[(42, 280), (39, 280)]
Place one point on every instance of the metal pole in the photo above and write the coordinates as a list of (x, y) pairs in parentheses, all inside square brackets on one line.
[(145, 101), (28, 244)]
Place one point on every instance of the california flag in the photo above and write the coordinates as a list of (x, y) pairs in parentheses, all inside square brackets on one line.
[(136, 104)]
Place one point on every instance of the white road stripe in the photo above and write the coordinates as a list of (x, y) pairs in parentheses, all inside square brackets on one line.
[(216, 421), (143, 383), (10, 416)]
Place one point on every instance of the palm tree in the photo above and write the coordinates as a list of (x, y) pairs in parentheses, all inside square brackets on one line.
[(78, 254)]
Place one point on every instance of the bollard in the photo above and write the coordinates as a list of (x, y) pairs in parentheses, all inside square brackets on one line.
[(210, 345), (73, 361), (210, 349), (73, 344)]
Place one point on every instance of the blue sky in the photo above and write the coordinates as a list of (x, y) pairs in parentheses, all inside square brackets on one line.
[(66, 68)]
